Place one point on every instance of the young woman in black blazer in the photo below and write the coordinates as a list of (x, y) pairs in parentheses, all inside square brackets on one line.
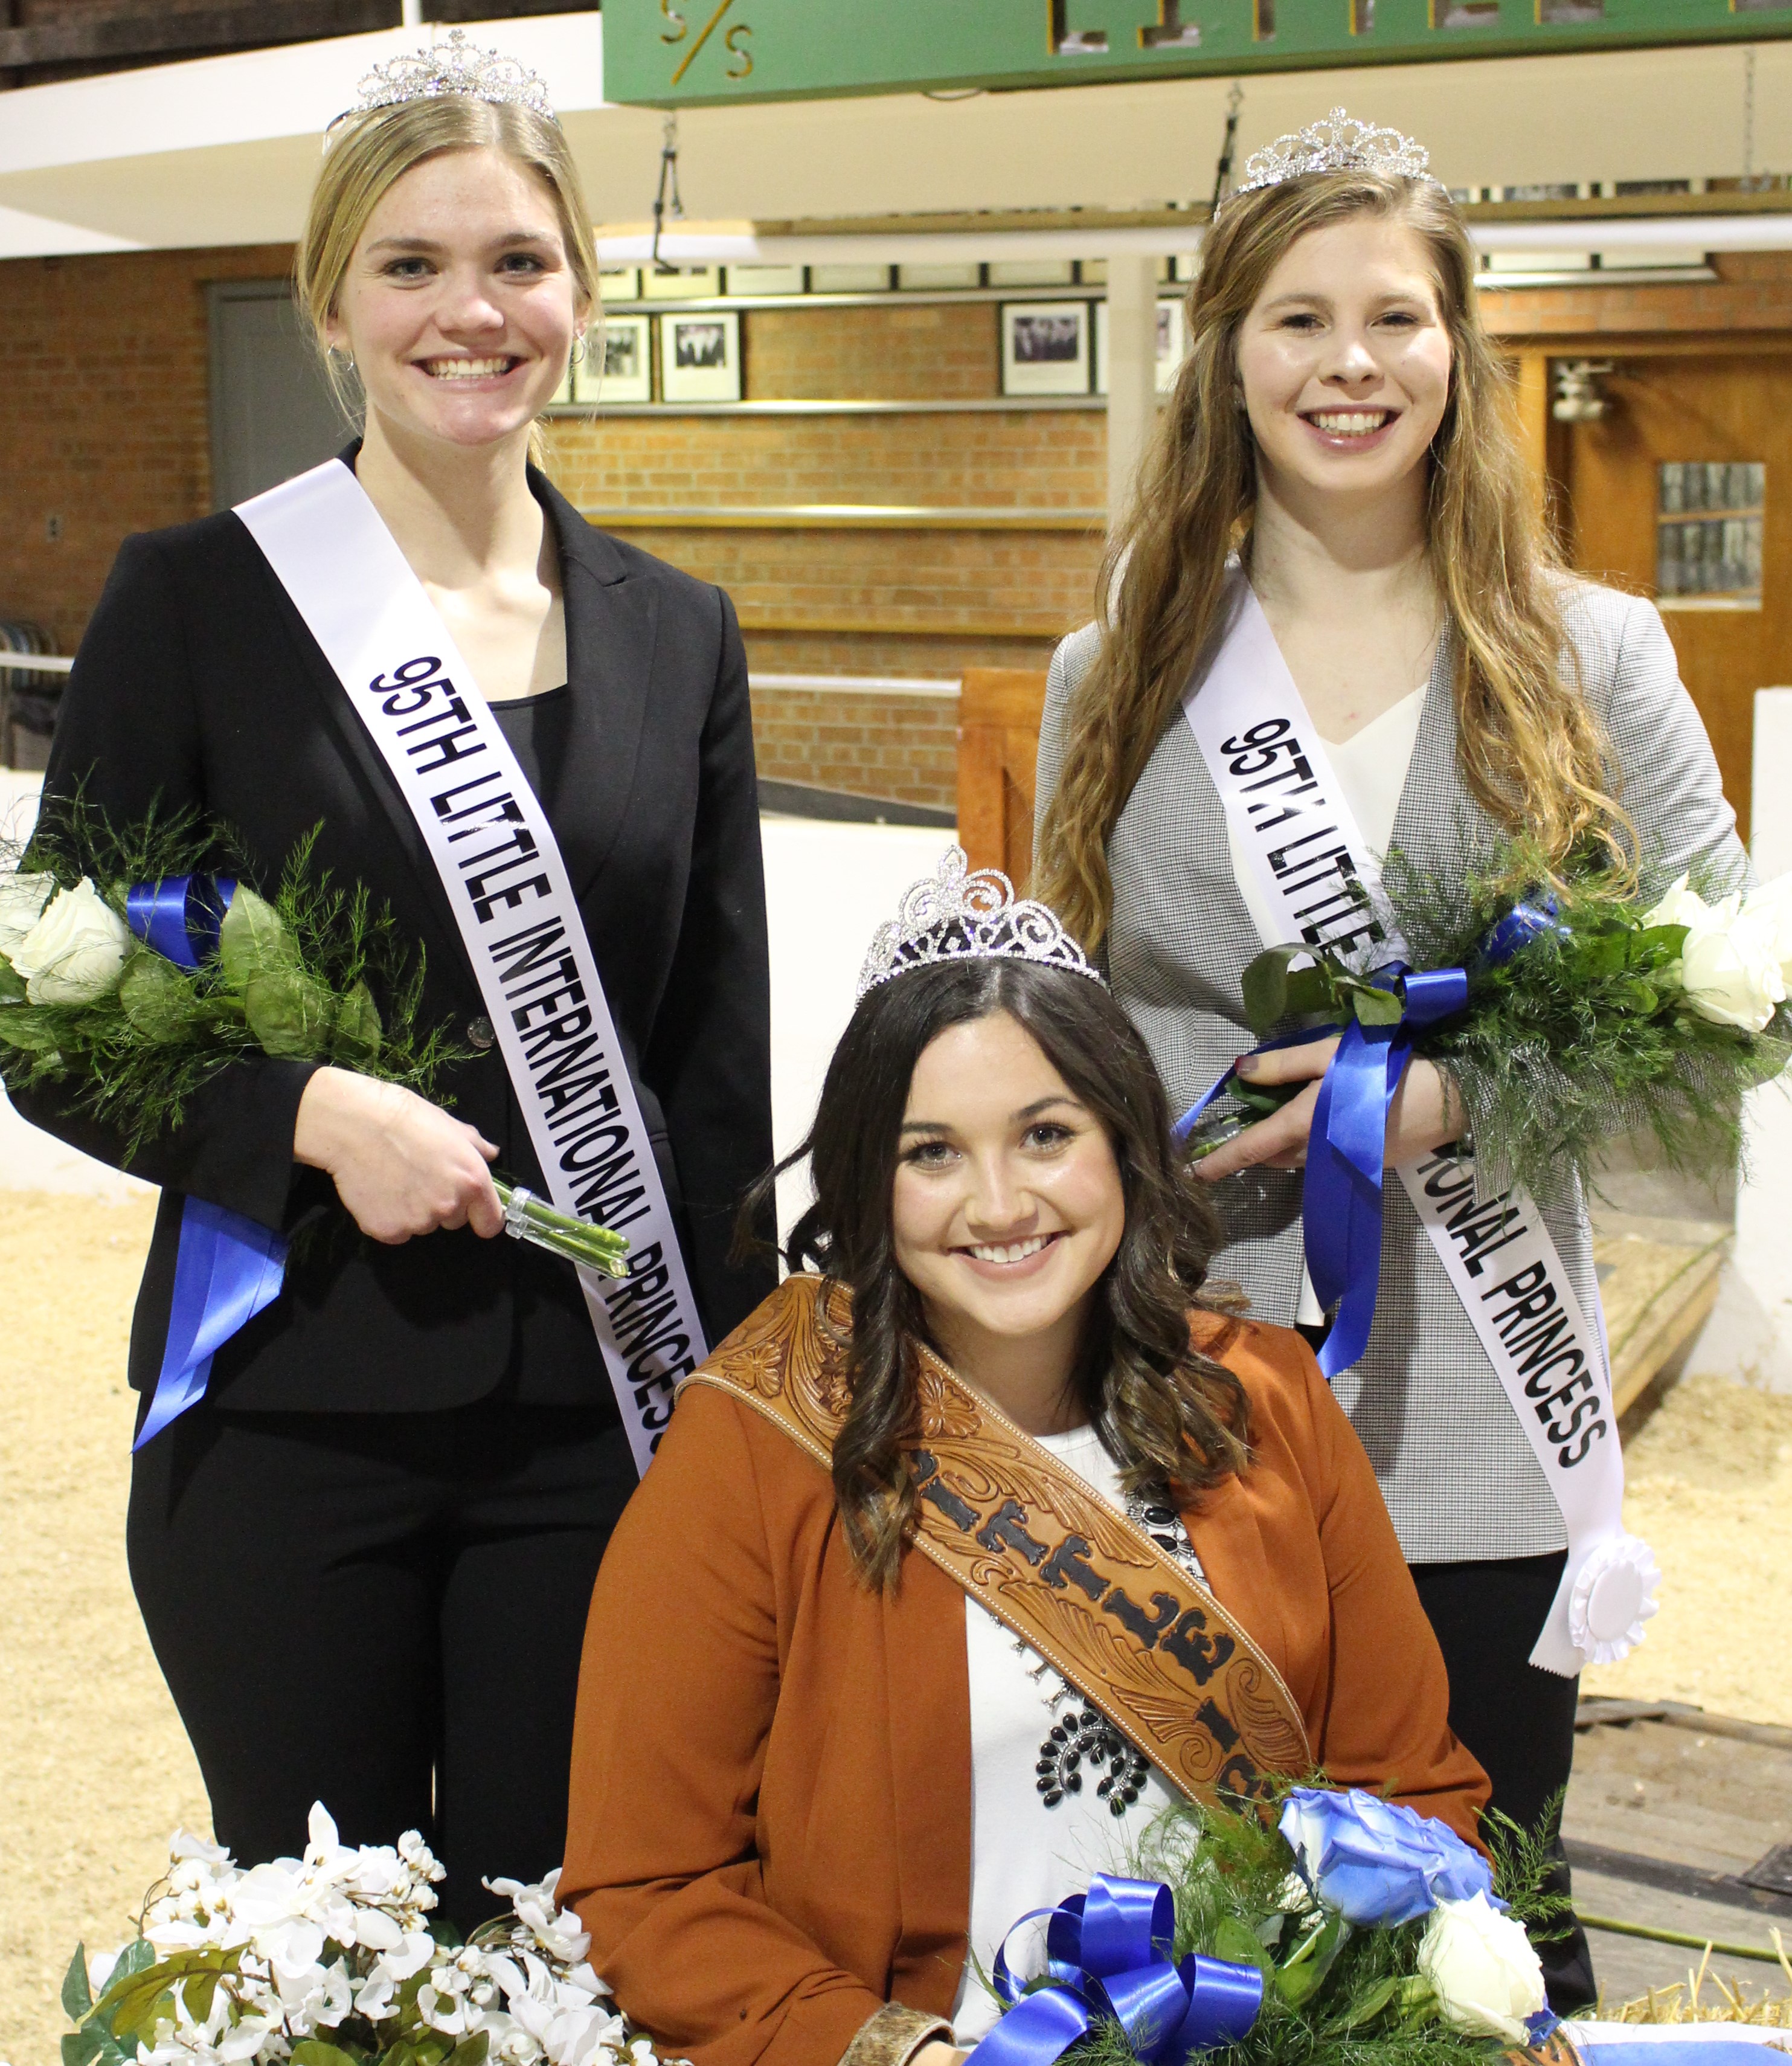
[(364, 1557)]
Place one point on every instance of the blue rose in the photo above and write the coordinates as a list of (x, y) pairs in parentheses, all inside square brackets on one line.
[(1375, 1862)]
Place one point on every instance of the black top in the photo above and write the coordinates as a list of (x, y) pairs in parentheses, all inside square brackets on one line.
[(538, 728), (198, 684)]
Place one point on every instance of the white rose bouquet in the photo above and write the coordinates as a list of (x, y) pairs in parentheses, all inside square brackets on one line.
[(1370, 1935), (135, 965), (333, 1959), (1561, 1014)]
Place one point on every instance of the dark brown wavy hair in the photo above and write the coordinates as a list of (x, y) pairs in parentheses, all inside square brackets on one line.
[(1167, 1415), (1529, 746)]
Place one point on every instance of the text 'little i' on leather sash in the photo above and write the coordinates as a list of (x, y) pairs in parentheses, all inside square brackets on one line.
[(1029, 1540)]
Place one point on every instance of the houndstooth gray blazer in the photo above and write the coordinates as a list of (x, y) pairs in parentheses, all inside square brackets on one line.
[(1455, 1468)]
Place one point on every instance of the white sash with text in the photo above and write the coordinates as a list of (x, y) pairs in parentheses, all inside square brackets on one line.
[(505, 881), (1309, 861)]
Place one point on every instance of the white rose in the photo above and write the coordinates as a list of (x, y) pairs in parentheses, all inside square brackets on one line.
[(1771, 904), (22, 898), (1729, 966), (76, 951), (1485, 1976), (1680, 907)]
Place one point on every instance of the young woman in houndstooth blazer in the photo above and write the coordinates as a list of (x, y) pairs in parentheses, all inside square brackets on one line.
[(1341, 427)]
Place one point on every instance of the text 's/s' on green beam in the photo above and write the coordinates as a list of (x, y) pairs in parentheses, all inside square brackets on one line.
[(669, 53)]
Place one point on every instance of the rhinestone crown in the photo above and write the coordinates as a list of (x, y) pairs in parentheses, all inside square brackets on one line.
[(1339, 144), (452, 66), (959, 914)]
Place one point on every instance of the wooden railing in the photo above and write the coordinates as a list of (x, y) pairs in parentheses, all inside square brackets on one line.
[(999, 710)]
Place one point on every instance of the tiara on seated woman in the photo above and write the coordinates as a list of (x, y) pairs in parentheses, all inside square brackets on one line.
[(452, 66), (959, 913), (1339, 143)]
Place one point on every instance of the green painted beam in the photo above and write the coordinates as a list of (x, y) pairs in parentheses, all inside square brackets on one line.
[(673, 53)]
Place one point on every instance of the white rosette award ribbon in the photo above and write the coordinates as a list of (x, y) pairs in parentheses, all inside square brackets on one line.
[(1309, 865), (507, 886)]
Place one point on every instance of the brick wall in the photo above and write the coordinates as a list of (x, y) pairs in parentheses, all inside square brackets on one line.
[(886, 353), (104, 425), (884, 602), (997, 459), (103, 415), (900, 746), (1753, 291)]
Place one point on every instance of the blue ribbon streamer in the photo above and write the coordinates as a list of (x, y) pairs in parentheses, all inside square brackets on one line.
[(1107, 1952), (226, 1270), (179, 916), (1341, 1197)]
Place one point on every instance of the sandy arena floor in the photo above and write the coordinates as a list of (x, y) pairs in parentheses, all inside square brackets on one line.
[(96, 1770)]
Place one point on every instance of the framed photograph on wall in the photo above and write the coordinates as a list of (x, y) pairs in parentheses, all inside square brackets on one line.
[(1044, 347), (626, 372), (700, 357), (1172, 342)]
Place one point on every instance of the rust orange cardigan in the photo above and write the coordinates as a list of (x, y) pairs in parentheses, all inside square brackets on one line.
[(771, 1814)]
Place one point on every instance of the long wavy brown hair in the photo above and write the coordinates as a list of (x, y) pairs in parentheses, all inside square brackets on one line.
[(1531, 747), (1168, 1415)]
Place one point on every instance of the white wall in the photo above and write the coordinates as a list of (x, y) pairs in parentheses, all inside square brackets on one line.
[(829, 887), (1749, 1335)]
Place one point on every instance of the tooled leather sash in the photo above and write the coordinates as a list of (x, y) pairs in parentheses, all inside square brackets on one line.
[(1029, 1540)]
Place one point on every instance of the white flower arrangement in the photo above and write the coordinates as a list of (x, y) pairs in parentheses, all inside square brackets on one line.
[(332, 1960), (1734, 965), (75, 952), (1487, 1979)]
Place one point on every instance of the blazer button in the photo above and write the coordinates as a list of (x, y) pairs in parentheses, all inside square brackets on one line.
[(479, 1032)]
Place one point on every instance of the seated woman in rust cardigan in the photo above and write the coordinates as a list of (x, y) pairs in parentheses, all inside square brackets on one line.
[(987, 1537)]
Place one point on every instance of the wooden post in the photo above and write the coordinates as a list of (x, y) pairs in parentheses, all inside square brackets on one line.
[(999, 710), (1533, 409)]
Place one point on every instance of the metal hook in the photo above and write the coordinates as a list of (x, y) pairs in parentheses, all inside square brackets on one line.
[(1223, 172), (669, 173)]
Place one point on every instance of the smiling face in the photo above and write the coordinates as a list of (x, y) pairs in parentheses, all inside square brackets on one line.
[(459, 307), (1344, 360), (1007, 1205)]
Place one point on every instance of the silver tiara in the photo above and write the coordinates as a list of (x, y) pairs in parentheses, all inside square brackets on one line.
[(452, 66), (959, 914), (1339, 144)]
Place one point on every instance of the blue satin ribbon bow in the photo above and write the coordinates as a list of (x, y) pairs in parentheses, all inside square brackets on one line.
[(179, 915), (227, 1267), (1340, 1199), (1107, 1952)]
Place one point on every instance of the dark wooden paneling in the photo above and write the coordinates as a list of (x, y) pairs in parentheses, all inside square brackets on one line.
[(1723, 407), (999, 710), (107, 36), (167, 32)]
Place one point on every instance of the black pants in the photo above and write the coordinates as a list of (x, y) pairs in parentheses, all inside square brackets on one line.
[(383, 1612), (1517, 1720)]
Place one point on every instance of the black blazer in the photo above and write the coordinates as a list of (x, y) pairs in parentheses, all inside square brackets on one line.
[(197, 683)]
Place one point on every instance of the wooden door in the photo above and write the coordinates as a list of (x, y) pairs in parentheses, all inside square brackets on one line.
[(1698, 406)]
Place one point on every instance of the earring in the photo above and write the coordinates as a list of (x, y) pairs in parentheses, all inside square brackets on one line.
[(576, 356)]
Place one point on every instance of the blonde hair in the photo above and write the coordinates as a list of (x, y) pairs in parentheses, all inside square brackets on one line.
[(1530, 747), (367, 154)]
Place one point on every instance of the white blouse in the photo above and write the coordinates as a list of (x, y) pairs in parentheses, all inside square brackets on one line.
[(1025, 1853), (1371, 766)]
